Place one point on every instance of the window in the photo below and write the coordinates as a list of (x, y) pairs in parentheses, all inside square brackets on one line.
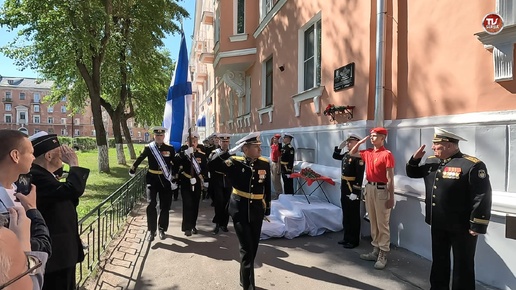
[(240, 16), (8, 118), (64, 132), (139, 134), (36, 119), (268, 6), (50, 120), (8, 107), (77, 132), (268, 82), (63, 109), (92, 132), (36, 131), (23, 117), (50, 109), (22, 96), (8, 96), (36, 108), (311, 52), (36, 98), (92, 122), (63, 99), (63, 121), (76, 121), (216, 25)]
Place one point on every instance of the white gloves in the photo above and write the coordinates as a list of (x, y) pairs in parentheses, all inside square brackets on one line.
[(193, 181), (216, 153), (236, 149), (287, 175), (206, 184), (189, 151), (131, 174), (342, 145), (173, 185), (353, 196)]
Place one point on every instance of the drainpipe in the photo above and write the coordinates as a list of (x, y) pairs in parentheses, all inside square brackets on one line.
[(214, 101), (380, 63)]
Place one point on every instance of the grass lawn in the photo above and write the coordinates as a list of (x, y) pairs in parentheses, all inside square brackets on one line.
[(101, 185)]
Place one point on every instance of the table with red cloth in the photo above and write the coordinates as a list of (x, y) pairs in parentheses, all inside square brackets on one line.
[(308, 176)]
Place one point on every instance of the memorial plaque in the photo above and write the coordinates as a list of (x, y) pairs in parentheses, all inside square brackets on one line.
[(344, 77)]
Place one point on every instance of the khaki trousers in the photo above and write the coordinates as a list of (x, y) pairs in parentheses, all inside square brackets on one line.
[(276, 177), (379, 216)]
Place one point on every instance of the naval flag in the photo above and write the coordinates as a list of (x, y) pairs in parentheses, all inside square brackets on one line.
[(178, 109)]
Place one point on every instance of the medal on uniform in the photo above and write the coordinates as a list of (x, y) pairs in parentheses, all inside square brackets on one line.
[(261, 174), (452, 172), (165, 153)]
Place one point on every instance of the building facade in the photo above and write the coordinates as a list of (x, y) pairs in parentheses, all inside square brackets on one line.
[(278, 64), (24, 108)]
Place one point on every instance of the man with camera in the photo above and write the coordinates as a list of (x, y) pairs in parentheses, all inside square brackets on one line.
[(16, 156), (57, 202)]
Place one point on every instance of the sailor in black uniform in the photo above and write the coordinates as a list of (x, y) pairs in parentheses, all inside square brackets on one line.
[(159, 180), (250, 200), (458, 207)]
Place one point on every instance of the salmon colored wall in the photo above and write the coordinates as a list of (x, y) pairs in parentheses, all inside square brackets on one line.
[(227, 28), (342, 43), (434, 64), (447, 70)]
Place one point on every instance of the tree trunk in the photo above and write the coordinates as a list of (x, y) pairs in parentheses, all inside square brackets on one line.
[(119, 142), (93, 84), (128, 139)]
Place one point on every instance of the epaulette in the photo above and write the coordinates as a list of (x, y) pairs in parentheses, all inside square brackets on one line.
[(263, 159), (202, 152), (239, 158), (431, 157), (471, 158), (146, 145)]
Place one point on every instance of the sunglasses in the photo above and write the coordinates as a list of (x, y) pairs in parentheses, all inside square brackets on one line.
[(33, 263)]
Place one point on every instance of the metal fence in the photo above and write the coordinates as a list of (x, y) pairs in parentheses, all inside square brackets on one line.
[(101, 224)]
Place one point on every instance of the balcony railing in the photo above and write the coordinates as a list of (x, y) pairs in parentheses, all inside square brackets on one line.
[(7, 99)]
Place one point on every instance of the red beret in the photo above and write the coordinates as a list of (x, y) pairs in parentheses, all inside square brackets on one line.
[(277, 136), (379, 130)]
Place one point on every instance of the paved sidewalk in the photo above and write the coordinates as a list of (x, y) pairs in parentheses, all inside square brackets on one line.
[(207, 261)]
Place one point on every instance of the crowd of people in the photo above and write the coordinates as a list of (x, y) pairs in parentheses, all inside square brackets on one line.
[(40, 245), (39, 238)]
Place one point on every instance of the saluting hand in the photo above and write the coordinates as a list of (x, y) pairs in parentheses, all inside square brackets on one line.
[(420, 152), (69, 156)]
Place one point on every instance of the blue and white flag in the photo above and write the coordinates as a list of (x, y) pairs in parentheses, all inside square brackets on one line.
[(178, 109)]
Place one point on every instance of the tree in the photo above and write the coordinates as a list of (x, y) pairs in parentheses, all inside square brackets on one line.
[(69, 41)]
